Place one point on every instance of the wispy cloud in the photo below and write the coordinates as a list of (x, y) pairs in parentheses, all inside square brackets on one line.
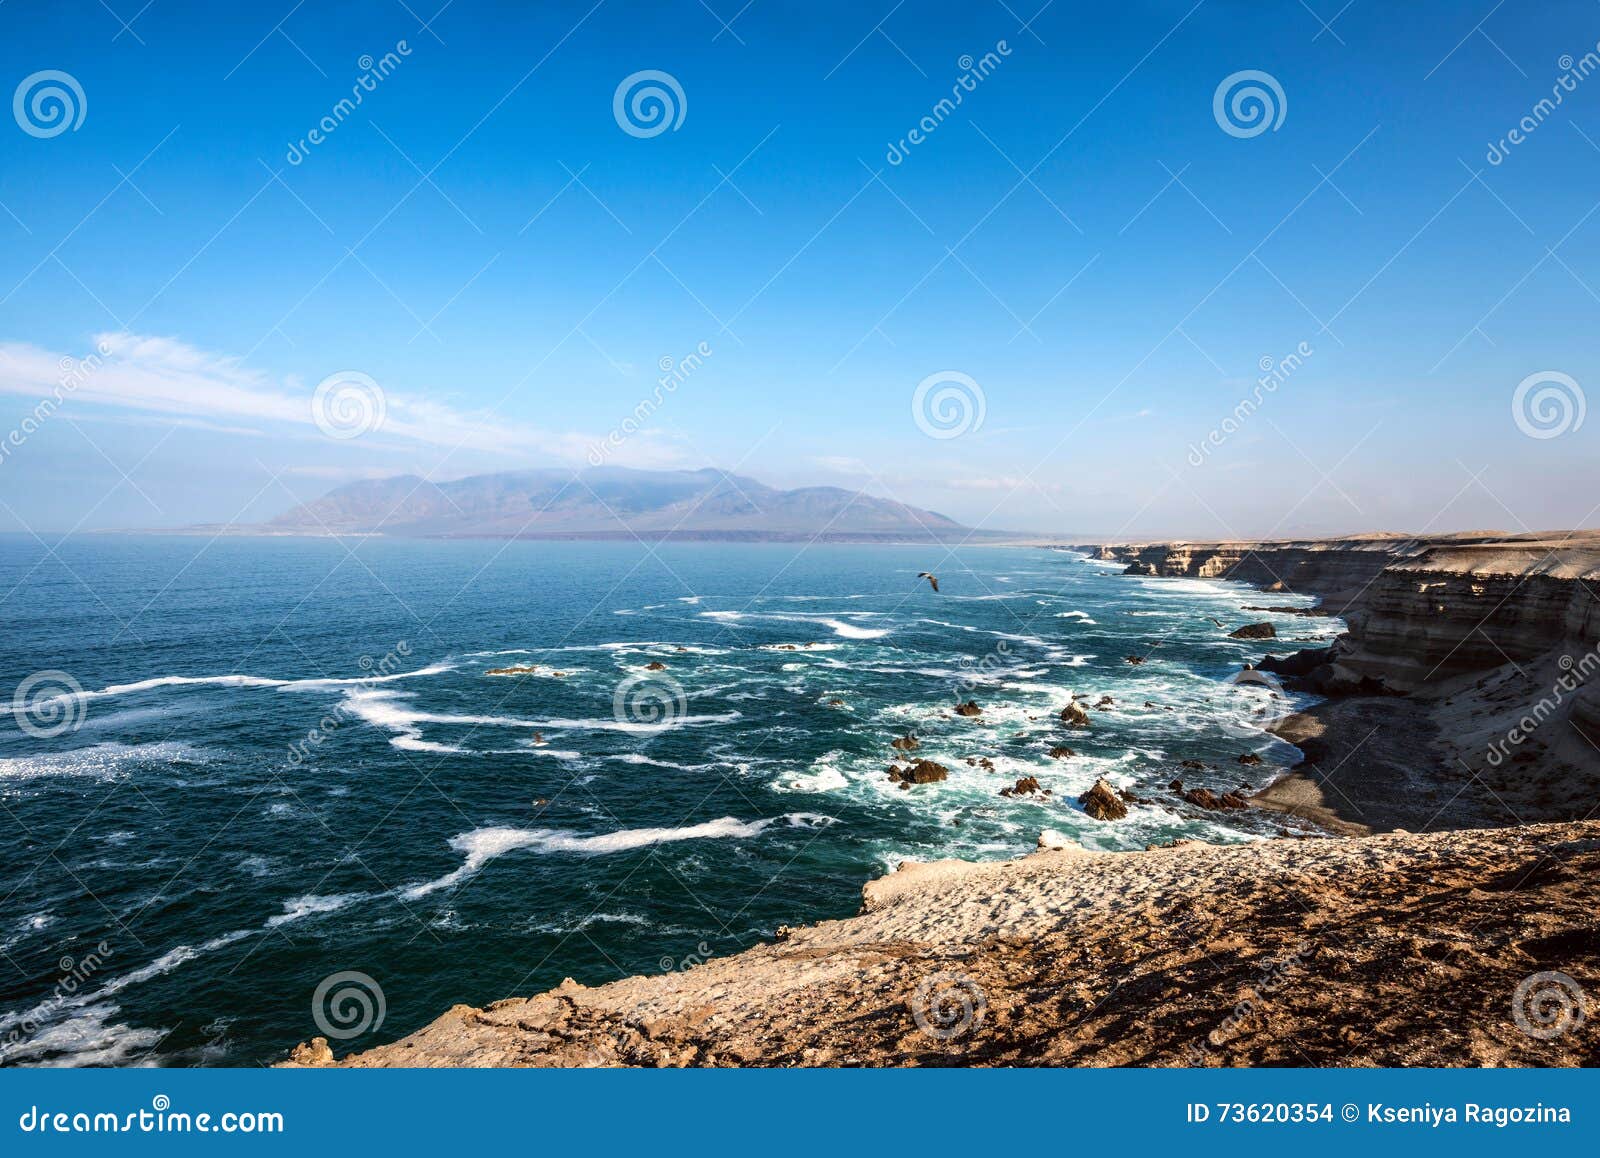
[(191, 386)]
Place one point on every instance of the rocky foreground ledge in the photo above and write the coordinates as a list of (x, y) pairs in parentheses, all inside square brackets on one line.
[(1459, 948)]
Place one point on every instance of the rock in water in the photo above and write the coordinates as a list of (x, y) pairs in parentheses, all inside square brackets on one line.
[(1061, 752), (1074, 716), (1027, 786), (655, 665), (1254, 631), (1205, 798), (906, 743), (1249, 759), (970, 708), (922, 772), (1102, 802)]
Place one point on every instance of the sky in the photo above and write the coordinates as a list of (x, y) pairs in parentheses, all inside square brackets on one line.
[(227, 286)]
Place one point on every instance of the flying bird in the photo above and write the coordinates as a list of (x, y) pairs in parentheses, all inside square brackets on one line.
[(933, 580)]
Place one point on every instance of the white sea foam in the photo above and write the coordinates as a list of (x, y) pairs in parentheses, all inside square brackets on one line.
[(839, 627), (90, 1038), (640, 758), (257, 865), (311, 905), (393, 711), (823, 776), (562, 754), (50, 1010), (239, 681), (482, 845), (100, 760)]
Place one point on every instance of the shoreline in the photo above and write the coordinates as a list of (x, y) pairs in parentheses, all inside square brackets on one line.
[(1432, 868)]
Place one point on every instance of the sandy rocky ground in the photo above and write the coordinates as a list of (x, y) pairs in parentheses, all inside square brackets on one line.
[(1389, 950), (1434, 926)]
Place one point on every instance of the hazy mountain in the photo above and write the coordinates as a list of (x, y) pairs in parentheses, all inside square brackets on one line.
[(612, 502)]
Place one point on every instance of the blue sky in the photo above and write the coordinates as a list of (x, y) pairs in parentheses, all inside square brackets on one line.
[(1081, 238)]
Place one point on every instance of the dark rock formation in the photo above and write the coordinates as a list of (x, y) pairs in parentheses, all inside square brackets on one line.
[(1103, 803), (1205, 798), (1074, 716), (922, 772), (1254, 631), (1024, 787)]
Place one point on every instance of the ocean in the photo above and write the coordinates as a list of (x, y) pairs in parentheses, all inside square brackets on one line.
[(258, 790)]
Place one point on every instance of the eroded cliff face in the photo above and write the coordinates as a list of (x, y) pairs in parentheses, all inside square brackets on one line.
[(1420, 610), (1336, 570), (1441, 617)]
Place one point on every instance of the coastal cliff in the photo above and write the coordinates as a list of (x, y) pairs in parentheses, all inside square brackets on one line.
[(1491, 638), (1420, 611)]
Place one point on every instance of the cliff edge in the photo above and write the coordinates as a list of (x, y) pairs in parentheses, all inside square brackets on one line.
[(1391, 950)]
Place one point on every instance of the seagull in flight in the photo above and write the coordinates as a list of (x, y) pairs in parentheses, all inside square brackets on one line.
[(933, 580)]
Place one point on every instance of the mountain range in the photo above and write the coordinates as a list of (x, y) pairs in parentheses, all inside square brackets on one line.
[(614, 502)]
